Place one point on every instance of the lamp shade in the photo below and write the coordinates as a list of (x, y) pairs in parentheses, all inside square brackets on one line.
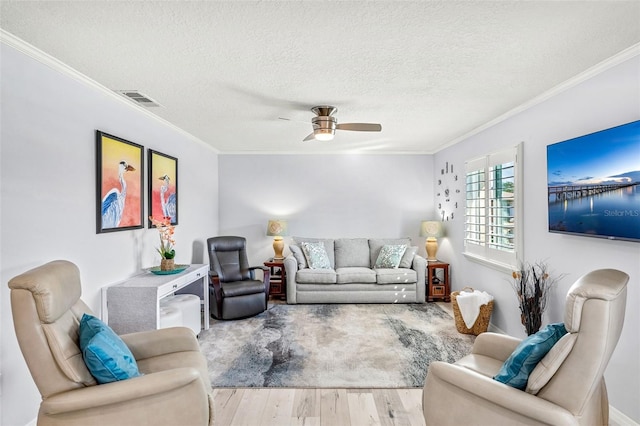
[(430, 228), (277, 228)]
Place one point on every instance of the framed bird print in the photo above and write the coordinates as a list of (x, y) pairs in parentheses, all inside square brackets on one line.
[(163, 186), (119, 182)]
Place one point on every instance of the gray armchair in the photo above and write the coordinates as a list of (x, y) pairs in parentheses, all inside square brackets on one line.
[(235, 291), (560, 391), (175, 387)]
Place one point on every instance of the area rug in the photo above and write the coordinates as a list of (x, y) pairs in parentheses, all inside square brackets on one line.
[(332, 346)]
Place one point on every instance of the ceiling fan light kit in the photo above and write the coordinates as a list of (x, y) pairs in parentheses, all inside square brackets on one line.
[(325, 124), (323, 134)]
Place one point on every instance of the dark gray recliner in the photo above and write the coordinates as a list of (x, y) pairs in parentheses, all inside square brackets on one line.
[(235, 292)]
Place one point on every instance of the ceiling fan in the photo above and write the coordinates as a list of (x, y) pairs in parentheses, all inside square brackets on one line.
[(325, 124)]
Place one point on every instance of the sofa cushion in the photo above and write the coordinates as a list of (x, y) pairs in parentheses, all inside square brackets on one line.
[(242, 288), (396, 276), (316, 255), (376, 244), (296, 251), (355, 274), (62, 336), (352, 252), (354, 288), (390, 256), (328, 246), (407, 257), (316, 276), (551, 362)]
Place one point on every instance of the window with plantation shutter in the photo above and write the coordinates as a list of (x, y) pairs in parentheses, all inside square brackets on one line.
[(492, 209)]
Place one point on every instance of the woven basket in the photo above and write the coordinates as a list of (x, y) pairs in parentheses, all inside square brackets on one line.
[(482, 322)]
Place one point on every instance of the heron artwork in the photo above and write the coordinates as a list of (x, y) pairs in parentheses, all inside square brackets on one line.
[(167, 201), (113, 202)]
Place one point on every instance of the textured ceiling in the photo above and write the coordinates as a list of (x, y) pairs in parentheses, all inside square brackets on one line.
[(429, 72)]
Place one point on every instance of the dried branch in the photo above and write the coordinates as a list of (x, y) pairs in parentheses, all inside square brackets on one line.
[(532, 284)]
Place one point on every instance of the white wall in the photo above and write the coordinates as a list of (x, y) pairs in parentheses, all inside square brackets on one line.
[(48, 196), (324, 196), (607, 100)]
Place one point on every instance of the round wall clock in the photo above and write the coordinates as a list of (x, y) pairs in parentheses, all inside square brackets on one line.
[(445, 190)]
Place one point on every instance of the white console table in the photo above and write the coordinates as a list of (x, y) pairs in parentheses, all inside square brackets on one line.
[(134, 304)]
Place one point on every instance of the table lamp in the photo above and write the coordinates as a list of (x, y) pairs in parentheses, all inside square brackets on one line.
[(432, 230), (277, 228)]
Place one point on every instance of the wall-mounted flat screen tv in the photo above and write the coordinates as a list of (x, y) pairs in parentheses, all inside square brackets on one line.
[(593, 184)]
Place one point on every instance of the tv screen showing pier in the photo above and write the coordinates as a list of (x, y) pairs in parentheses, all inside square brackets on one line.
[(593, 184)]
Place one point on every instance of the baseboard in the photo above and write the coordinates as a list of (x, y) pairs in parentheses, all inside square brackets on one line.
[(618, 418)]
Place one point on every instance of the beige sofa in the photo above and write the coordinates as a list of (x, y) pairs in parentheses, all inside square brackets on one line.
[(352, 277), (173, 390)]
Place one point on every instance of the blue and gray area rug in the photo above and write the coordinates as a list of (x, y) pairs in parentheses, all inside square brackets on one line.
[(332, 346)]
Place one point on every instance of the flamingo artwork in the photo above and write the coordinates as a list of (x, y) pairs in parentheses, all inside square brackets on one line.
[(167, 201), (113, 202)]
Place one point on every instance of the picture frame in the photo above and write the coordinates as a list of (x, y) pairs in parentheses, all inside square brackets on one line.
[(162, 186), (119, 183)]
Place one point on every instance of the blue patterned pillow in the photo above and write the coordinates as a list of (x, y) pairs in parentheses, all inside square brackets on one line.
[(390, 256), (107, 357), (516, 369), (316, 255)]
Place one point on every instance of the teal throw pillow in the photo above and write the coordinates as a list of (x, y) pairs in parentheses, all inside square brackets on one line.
[(89, 327), (390, 256), (516, 369), (105, 354), (316, 255)]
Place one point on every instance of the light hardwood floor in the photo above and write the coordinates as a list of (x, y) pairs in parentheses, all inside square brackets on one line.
[(317, 407)]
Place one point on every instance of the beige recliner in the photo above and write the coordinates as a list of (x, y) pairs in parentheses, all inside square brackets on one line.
[(173, 390), (560, 391)]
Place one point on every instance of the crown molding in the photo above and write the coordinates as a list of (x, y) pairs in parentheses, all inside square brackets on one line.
[(57, 65), (599, 68)]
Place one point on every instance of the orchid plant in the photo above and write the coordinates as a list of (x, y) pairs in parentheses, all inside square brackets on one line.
[(166, 230)]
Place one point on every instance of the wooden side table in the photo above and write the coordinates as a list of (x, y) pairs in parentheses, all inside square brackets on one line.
[(436, 288), (278, 279)]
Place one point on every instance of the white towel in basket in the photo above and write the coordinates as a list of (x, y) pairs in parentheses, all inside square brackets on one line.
[(469, 303)]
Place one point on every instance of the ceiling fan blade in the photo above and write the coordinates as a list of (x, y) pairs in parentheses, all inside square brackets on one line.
[(360, 127), (293, 120), (308, 138)]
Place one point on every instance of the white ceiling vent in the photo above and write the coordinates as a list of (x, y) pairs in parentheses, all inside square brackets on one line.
[(139, 98)]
